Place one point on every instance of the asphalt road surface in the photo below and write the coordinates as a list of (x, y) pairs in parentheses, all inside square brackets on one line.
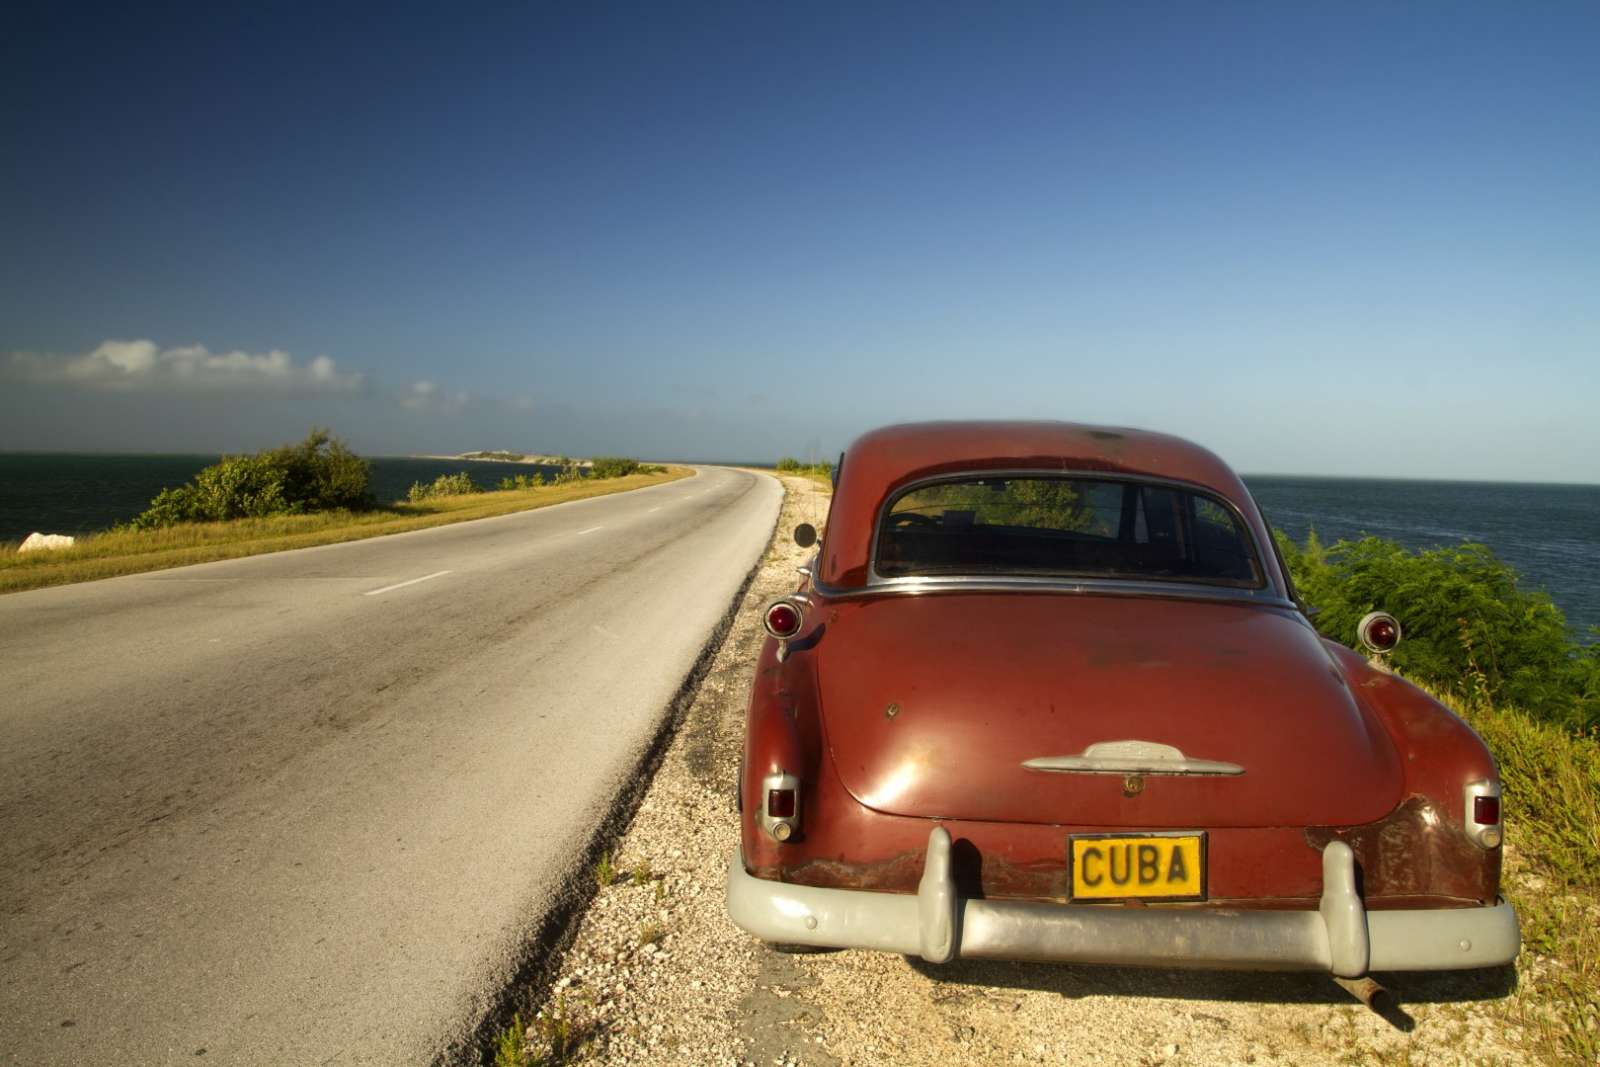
[(306, 807)]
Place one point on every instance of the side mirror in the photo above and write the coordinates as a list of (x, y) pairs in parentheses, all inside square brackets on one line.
[(805, 535)]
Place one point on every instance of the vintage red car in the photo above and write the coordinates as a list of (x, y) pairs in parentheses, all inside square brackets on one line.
[(1046, 692)]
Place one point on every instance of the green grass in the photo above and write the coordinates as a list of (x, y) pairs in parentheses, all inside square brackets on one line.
[(1551, 779), (511, 1046), (552, 1039), (119, 552)]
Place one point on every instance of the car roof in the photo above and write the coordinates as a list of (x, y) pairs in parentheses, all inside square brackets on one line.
[(880, 462)]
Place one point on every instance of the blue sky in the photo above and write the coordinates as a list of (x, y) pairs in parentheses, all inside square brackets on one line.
[(1361, 240)]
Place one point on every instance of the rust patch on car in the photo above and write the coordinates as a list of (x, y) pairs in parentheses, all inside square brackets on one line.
[(1416, 853)]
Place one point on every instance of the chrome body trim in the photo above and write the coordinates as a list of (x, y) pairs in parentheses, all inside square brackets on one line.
[(1131, 757), (1484, 835), (1078, 586), (769, 823), (1340, 936), (1263, 591)]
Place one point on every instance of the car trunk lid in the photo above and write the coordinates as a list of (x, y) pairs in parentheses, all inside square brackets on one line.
[(1097, 710)]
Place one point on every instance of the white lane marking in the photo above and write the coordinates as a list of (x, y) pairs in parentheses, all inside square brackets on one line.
[(591, 529), (402, 585)]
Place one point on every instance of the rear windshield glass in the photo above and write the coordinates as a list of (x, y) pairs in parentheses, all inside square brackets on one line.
[(1077, 527)]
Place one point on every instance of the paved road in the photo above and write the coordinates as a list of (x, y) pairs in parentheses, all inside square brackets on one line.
[(305, 807)]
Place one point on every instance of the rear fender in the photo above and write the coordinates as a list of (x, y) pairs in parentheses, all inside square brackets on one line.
[(781, 736), (1422, 847)]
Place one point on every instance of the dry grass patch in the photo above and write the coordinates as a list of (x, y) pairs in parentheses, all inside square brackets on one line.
[(119, 552), (1551, 779)]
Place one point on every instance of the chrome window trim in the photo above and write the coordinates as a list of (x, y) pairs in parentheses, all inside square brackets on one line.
[(1079, 586), (1137, 586)]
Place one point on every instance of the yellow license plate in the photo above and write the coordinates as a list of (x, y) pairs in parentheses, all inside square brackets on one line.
[(1149, 866)]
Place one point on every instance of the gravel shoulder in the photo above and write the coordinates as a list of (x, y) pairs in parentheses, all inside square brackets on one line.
[(656, 974)]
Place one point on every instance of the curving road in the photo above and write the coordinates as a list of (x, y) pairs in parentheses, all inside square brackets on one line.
[(306, 807)]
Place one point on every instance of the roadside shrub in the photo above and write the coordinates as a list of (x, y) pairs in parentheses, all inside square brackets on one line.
[(322, 474), (318, 474), (170, 507), (571, 471), (612, 467), (522, 481), (790, 465), (1469, 628), (458, 484)]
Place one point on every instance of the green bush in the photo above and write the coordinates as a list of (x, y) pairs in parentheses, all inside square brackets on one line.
[(458, 484), (522, 481), (612, 467), (171, 506), (571, 471), (322, 474), (790, 465), (1469, 628), (318, 474)]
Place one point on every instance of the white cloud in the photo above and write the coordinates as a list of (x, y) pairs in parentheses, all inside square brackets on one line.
[(419, 394), (425, 395), (128, 365)]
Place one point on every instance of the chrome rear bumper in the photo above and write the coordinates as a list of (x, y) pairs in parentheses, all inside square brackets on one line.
[(1341, 937)]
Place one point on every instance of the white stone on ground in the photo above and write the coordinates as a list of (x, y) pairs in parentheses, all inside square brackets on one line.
[(37, 540)]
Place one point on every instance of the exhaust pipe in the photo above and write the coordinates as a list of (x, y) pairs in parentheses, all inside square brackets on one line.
[(1370, 993)]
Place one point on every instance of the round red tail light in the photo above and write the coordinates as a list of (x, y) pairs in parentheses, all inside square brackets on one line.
[(1379, 631), (1382, 633), (782, 619)]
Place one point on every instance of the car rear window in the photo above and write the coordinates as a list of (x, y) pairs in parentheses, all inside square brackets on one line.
[(1074, 527)]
